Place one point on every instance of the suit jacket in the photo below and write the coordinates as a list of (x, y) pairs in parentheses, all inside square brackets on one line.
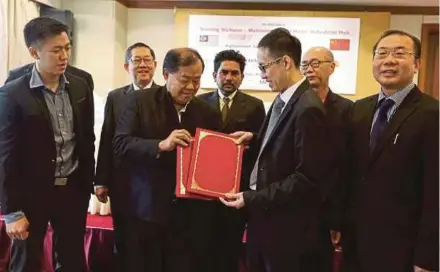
[(285, 208), (108, 172), (393, 207), (149, 117), (245, 114), (338, 115), (28, 151), (26, 69)]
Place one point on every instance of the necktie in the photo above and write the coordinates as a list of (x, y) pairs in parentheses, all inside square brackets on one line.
[(274, 116), (225, 108), (381, 121)]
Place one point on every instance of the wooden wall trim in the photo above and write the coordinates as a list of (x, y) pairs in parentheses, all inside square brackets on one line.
[(427, 29), (277, 6)]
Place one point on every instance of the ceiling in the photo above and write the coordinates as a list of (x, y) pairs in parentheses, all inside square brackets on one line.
[(426, 7), (419, 3)]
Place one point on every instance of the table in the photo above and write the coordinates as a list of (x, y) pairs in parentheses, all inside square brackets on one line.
[(98, 246)]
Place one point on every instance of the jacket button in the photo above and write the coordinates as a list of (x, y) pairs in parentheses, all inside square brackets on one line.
[(53, 161), (261, 168)]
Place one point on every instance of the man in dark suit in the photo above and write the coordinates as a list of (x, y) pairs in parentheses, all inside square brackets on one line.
[(140, 63), (47, 153), (318, 65), (168, 234), (394, 151), (240, 112), (27, 69), (285, 199)]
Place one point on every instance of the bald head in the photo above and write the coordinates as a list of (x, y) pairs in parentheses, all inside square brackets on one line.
[(324, 52), (318, 65)]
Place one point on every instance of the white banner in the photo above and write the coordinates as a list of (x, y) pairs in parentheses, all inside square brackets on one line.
[(210, 34)]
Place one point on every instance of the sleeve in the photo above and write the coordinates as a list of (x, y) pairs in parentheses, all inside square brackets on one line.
[(10, 193), (304, 182), (128, 145), (90, 134), (426, 253), (105, 154), (339, 187)]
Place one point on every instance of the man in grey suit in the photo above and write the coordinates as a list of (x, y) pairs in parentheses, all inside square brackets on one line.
[(140, 63)]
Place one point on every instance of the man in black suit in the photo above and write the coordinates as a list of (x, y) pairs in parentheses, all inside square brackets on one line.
[(140, 63), (285, 199), (318, 65), (394, 153), (27, 69), (168, 234), (47, 153), (240, 112)]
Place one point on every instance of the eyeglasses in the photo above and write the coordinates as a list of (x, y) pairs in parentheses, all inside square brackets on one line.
[(398, 53), (314, 63), (138, 61), (263, 67)]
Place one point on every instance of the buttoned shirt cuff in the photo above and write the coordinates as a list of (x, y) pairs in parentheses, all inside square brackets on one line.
[(13, 217)]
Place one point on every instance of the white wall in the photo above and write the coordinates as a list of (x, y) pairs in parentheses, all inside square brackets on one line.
[(154, 27), (100, 33), (53, 3), (413, 25), (105, 28)]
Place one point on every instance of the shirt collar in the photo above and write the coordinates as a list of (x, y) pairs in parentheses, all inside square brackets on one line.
[(136, 88), (36, 81), (287, 94), (231, 96), (398, 96)]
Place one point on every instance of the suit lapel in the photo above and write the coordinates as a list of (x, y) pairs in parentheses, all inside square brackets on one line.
[(75, 96), (37, 94), (407, 107), (238, 105), (127, 89), (213, 100), (41, 102), (287, 110)]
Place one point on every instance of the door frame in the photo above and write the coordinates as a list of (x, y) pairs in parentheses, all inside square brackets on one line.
[(427, 29)]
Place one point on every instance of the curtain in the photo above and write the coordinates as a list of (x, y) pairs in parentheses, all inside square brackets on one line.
[(14, 16)]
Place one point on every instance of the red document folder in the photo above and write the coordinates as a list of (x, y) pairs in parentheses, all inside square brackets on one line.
[(183, 165), (215, 164)]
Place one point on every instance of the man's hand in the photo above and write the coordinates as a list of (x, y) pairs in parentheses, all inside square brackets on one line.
[(18, 229), (243, 137), (178, 137), (418, 269), (233, 200), (336, 239), (101, 193)]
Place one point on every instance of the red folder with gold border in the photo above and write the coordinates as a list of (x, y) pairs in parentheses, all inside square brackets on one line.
[(215, 164), (183, 165)]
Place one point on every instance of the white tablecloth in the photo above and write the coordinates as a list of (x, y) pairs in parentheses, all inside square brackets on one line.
[(96, 207)]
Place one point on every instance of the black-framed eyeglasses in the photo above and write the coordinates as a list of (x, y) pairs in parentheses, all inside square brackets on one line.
[(314, 64), (263, 67), (138, 61), (398, 53)]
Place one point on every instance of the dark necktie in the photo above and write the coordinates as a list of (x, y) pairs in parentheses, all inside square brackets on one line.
[(274, 116), (225, 108), (381, 121)]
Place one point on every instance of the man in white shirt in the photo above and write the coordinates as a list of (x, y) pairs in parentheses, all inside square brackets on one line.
[(140, 63)]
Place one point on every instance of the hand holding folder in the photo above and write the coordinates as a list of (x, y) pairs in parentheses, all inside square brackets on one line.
[(210, 167)]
